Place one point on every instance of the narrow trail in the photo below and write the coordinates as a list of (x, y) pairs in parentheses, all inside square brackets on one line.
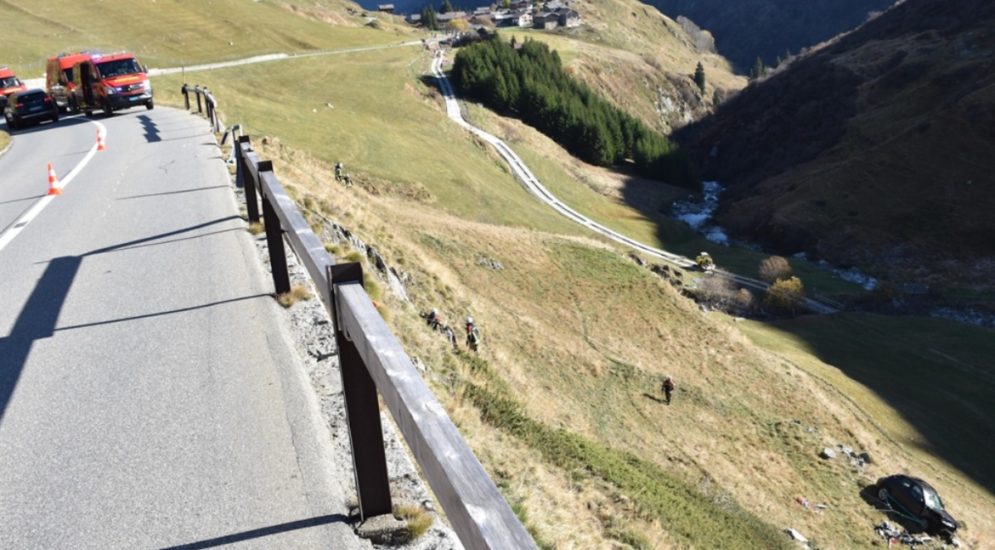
[(537, 189)]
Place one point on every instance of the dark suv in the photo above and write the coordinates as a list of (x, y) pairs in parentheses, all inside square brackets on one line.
[(31, 106), (916, 500)]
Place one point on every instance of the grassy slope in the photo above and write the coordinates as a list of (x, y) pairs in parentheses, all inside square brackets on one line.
[(170, 33), (4, 140), (567, 321), (633, 206)]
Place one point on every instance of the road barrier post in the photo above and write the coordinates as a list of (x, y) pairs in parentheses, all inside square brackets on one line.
[(274, 236), (186, 97), (362, 407), (248, 179), (196, 90)]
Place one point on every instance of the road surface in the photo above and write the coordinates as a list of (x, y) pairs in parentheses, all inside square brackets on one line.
[(148, 394)]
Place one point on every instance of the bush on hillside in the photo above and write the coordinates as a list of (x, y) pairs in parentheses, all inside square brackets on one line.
[(529, 81), (785, 295), (774, 268)]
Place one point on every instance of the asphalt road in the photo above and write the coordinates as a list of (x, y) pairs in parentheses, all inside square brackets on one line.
[(149, 397)]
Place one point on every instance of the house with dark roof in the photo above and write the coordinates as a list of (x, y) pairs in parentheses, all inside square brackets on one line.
[(568, 18)]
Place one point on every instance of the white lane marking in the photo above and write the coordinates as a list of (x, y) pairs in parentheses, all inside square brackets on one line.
[(36, 208)]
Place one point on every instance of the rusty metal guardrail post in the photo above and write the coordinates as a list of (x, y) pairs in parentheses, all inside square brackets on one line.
[(196, 89), (369, 457)]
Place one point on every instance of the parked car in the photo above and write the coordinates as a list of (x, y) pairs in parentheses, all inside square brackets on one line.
[(9, 84), (30, 106), (917, 501)]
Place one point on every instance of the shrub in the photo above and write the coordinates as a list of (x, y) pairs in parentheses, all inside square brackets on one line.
[(417, 519), (774, 268), (297, 293), (785, 295), (256, 228)]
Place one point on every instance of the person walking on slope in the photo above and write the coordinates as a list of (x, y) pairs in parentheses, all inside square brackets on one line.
[(338, 171), (451, 337), (668, 388), (472, 334)]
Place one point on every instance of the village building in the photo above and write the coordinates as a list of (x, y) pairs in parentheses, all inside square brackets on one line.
[(386, 8), (546, 21), (569, 18)]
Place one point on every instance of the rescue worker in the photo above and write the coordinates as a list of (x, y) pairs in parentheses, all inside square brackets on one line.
[(451, 337), (433, 319), (348, 180), (338, 171), (668, 388), (472, 334)]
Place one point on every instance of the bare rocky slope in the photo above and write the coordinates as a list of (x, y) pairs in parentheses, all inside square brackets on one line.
[(874, 151), (745, 29)]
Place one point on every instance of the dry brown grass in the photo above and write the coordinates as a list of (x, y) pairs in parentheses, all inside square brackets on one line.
[(570, 321), (256, 228), (297, 293), (416, 518)]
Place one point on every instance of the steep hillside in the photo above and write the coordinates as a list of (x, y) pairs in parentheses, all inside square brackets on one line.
[(642, 61), (745, 29), (875, 151), (562, 405)]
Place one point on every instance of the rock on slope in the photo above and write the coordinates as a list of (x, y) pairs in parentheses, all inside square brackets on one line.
[(875, 150)]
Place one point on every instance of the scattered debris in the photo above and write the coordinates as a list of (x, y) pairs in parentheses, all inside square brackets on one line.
[(896, 535), (490, 264), (817, 507), (857, 460), (796, 536), (639, 261)]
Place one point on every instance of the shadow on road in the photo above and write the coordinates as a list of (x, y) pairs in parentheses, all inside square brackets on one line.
[(161, 313), (36, 321), (22, 199), (191, 190), (262, 532), (151, 129)]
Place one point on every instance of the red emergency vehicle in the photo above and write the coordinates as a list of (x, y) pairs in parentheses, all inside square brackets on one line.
[(9, 84), (110, 82), (59, 78)]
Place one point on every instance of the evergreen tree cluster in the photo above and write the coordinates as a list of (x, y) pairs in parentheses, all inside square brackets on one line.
[(530, 82)]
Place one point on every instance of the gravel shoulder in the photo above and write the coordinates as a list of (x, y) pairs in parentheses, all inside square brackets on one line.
[(311, 332)]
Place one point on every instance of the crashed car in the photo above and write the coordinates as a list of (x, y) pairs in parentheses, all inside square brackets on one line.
[(916, 501)]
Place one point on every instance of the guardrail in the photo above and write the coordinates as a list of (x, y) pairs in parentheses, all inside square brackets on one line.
[(209, 103), (371, 361)]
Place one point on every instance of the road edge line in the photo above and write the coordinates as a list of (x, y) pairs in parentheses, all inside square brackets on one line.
[(20, 223)]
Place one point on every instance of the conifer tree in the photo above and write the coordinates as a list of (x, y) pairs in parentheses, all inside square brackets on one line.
[(699, 77), (445, 7), (758, 69), (428, 18)]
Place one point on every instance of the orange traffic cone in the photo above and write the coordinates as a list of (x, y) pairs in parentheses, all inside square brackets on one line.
[(53, 182), (100, 142)]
